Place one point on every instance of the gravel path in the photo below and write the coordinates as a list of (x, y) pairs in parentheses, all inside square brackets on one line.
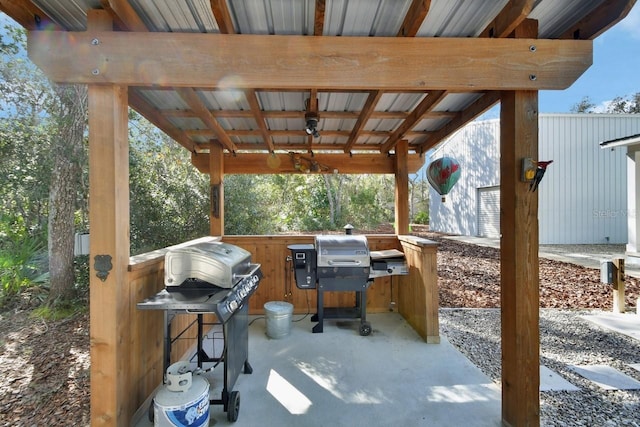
[(565, 339)]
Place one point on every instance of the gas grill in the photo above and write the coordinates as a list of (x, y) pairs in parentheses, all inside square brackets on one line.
[(343, 263), (210, 277)]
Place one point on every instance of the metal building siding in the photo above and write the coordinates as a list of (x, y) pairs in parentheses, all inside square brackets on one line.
[(476, 148), (583, 197)]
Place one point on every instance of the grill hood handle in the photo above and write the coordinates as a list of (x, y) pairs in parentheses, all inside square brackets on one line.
[(352, 262)]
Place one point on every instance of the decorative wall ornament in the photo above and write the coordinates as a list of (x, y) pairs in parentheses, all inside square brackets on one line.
[(102, 265)]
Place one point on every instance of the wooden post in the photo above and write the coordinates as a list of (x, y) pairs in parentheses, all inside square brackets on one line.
[(618, 286), (402, 188), (519, 272), (519, 266), (109, 247), (216, 178)]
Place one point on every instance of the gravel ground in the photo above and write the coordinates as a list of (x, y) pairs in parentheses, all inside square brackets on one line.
[(565, 339)]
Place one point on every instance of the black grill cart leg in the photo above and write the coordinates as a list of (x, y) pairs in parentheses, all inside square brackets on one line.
[(317, 329), (365, 327)]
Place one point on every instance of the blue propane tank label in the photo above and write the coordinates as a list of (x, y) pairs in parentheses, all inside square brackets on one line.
[(195, 414)]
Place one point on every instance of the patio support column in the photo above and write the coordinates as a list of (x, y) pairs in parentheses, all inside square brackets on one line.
[(519, 275), (109, 247), (216, 179), (519, 265), (402, 188)]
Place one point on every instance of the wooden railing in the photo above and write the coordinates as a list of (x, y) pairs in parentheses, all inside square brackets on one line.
[(414, 296)]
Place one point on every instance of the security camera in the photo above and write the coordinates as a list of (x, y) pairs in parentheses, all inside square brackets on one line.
[(311, 127)]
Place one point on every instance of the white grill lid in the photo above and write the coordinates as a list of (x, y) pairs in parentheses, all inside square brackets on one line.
[(213, 262)]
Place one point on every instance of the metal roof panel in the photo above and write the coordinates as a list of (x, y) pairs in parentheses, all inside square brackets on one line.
[(176, 16)]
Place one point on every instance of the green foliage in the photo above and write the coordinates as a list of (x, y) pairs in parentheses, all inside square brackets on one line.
[(626, 105), (306, 202), (21, 260), (421, 217), (250, 207), (169, 197), (371, 202), (57, 312), (629, 104), (585, 105)]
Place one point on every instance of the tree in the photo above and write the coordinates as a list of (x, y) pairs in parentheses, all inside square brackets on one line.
[(584, 106), (627, 105), (25, 136), (68, 153), (43, 139), (169, 197)]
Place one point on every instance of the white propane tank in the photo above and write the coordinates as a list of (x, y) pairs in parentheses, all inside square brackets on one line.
[(183, 400)]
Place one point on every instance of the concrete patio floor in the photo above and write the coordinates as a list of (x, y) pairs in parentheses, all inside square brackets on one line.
[(339, 378)]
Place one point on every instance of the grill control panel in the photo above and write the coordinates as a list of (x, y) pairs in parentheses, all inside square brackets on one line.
[(304, 265), (237, 296)]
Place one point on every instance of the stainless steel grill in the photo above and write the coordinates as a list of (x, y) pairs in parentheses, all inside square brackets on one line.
[(218, 263), (343, 263), (211, 277)]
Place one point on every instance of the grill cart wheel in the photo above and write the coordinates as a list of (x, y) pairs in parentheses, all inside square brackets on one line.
[(365, 329), (234, 406)]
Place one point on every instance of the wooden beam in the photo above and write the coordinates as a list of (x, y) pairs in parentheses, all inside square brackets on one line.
[(125, 17), (222, 16), (338, 63), (30, 16), (318, 20), (511, 15), (485, 102), (216, 179), (195, 103), (427, 103), (353, 115), (363, 117), (402, 188), (519, 265), (256, 111), (208, 133), (111, 402), (265, 163), (148, 111), (414, 18), (603, 17)]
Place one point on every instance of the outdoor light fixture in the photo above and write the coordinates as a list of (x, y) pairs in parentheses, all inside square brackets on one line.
[(311, 127)]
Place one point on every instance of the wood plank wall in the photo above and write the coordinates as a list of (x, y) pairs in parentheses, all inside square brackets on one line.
[(414, 296), (418, 300)]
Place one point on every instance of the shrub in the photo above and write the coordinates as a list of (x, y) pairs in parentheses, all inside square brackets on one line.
[(422, 218)]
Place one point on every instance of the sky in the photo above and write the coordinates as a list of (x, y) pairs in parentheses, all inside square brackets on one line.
[(615, 70)]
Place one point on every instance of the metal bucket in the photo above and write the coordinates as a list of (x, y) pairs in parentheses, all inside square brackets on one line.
[(278, 314)]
